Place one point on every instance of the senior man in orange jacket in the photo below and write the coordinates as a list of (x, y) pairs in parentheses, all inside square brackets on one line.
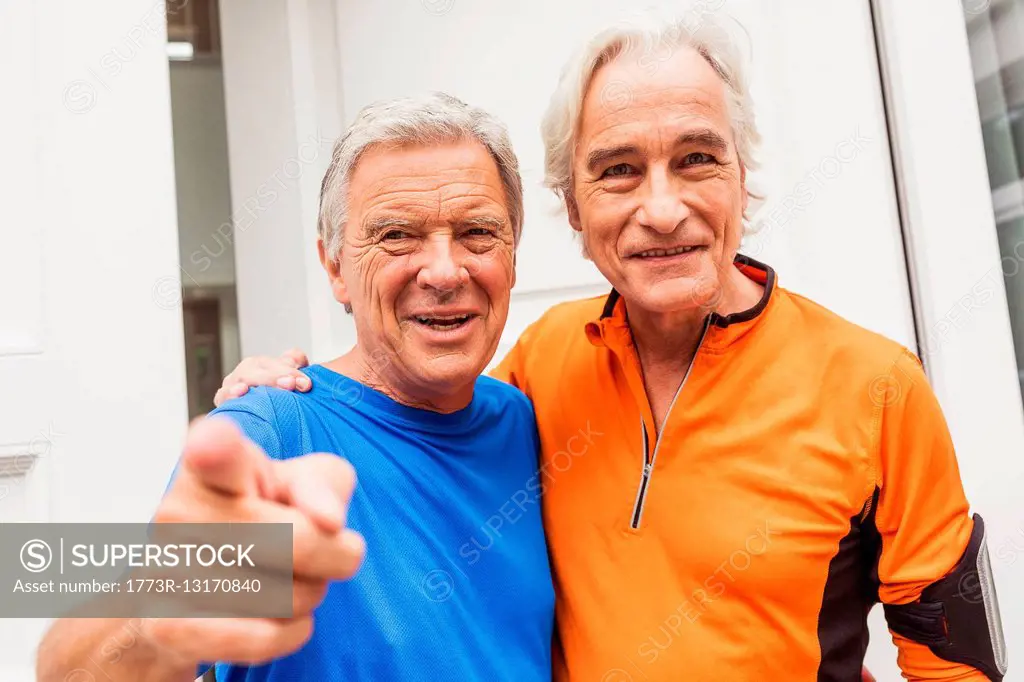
[(732, 474)]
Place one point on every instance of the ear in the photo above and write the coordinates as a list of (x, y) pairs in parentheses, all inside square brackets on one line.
[(573, 210), (334, 274), (513, 271)]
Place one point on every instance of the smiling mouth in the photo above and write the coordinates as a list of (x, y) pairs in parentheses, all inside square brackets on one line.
[(443, 323), (662, 253)]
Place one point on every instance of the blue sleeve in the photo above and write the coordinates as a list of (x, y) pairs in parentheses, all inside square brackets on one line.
[(221, 670), (531, 423), (255, 415), (535, 432)]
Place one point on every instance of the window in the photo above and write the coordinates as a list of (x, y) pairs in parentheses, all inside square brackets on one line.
[(996, 32)]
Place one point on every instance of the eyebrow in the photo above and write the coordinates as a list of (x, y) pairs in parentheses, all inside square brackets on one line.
[(497, 224), (375, 226), (598, 157), (704, 137)]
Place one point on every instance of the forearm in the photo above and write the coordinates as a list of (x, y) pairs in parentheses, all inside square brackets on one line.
[(920, 664), (112, 649)]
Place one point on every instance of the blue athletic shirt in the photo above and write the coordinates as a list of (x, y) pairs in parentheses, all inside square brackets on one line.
[(456, 583)]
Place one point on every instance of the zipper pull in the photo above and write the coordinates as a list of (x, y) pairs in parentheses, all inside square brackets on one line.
[(647, 470)]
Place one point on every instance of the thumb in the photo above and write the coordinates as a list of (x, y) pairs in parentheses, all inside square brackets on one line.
[(221, 459)]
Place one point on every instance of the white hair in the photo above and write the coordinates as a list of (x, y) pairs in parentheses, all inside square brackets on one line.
[(654, 38), (436, 118)]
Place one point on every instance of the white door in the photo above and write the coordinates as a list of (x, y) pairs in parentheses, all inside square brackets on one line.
[(92, 393)]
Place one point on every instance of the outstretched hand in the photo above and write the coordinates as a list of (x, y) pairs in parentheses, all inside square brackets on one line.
[(226, 478)]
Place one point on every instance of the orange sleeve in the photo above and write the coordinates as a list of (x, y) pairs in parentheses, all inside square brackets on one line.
[(922, 514)]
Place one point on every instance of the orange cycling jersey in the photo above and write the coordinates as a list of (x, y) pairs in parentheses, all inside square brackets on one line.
[(804, 472)]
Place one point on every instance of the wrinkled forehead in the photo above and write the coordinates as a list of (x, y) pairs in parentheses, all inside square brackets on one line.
[(424, 165), (424, 180), (661, 95)]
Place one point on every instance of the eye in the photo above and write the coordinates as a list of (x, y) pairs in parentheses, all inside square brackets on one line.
[(698, 159), (479, 232), (617, 170), (394, 235)]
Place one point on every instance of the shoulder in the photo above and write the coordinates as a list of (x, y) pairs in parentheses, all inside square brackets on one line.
[(270, 417), (847, 344), (559, 334), (262, 402), (561, 327), (507, 412), (504, 406), (503, 396)]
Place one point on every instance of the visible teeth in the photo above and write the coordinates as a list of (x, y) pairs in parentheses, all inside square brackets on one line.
[(666, 252), (444, 321)]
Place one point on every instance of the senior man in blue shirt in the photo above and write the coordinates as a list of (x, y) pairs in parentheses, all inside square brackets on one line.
[(421, 211)]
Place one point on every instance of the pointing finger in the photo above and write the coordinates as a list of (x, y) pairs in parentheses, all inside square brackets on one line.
[(221, 459)]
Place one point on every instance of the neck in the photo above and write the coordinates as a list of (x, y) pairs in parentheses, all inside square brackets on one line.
[(357, 366), (665, 338), (672, 337)]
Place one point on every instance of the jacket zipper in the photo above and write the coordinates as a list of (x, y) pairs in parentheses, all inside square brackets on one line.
[(645, 477), (650, 459)]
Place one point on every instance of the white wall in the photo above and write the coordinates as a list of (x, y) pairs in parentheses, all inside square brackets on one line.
[(281, 96), (92, 394)]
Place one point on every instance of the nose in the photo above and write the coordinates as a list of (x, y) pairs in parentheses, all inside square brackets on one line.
[(662, 208), (443, 268)]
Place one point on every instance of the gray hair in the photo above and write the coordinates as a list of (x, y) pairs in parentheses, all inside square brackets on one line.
[(655, 38), (431, 119)]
